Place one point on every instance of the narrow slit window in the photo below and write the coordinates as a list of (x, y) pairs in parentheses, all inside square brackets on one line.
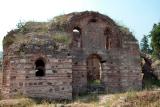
[(107, 36)]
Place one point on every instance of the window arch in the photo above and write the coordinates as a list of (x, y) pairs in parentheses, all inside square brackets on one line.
[(77, 37), (107, 31), (107, 34), (40, 67), (77, 30)]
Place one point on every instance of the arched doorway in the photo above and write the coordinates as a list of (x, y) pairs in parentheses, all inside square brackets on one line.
[(94, 68)]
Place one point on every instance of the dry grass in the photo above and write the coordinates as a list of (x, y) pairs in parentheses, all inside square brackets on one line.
[(23, 102), (156, 63), (129, 99), (143, 99)]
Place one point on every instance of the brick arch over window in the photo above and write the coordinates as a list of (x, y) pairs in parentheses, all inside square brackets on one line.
[(107, 34), (94, 17), (40, 67), (112, 40), (77, 41)]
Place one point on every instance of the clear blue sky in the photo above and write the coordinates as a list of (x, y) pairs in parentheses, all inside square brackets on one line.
[(138, 15)]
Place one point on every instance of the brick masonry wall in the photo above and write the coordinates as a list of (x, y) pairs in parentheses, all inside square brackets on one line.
[(66, 68), (56, 84), (121, 70), (79, 78)]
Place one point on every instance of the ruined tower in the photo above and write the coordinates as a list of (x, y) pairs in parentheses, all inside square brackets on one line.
[(63, 57)]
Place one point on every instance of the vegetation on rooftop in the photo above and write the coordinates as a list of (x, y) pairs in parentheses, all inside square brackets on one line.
[(9, 39), (125, 30), (62, 37), (24, 28), (59, 22)]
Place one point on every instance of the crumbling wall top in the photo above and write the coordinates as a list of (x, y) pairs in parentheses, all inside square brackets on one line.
[(60, 24)]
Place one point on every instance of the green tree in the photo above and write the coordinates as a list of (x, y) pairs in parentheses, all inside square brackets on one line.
[(155, 40), (145, 45), (21, 27)]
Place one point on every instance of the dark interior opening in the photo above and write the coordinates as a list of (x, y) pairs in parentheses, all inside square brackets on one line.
[(92, 21), (107, 34), (77, 30), (94, 68), (40, 67), (107, 31)]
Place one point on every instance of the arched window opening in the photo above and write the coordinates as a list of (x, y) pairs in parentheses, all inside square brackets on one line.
[(107, 31), (77, 37), (77, 30), (93, 20), (108, 43), (107, 34), (40, 67)]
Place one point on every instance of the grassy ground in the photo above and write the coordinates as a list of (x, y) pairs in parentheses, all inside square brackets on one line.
[(146, 98)]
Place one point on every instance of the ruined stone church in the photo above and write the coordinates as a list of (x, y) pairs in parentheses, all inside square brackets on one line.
[(68, 55)]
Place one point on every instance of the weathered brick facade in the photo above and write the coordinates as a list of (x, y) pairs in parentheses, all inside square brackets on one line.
[(96, 48)]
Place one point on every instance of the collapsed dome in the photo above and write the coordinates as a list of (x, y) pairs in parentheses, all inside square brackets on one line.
[(66, 56)]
